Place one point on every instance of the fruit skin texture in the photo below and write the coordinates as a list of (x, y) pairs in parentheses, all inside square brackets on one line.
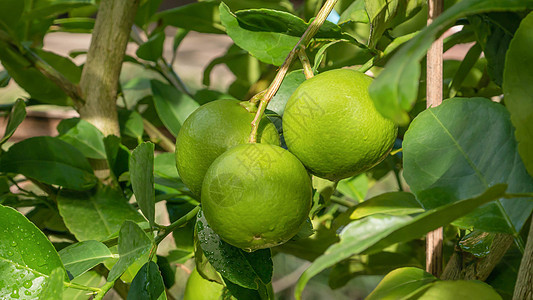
[(256, 196), (331, 125), (211, 130), (199, 288)]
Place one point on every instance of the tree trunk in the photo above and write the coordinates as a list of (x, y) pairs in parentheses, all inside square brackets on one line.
[(99, 79), (524, 283)]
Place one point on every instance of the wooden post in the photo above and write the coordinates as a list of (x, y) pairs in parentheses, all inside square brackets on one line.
[(434, 98)]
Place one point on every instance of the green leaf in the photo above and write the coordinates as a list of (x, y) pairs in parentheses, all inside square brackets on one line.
[(464, 69), (27, 258), (374, 233), (354, 187), (95, 215), (53, 289), (90, 278), (131, 123), (165, 165), (469, 161), (118, 156), (50, 8), (200, 16), (355, 12), (477, 243), (393, 203), (132, 244), (288, 86), (267, 34), (17, 115), (4, 78), (459, 289), (395, 90), (84, 136), (183, 236), (242, 293), (145, 12), (400, 283), (152, 49), (74, 25), (518, 92), (147, 284), (172, 106), (142, 179), (248, 270), (10, 13), (80, 257), (33, 81), (51, 161)]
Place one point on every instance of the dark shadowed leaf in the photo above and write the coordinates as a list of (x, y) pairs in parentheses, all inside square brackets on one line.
[(17, 115), (152, 49), (147, 284), (51, 161), (142, 179), (200, 16)]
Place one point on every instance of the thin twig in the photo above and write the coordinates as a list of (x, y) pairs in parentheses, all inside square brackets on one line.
[(158, 137), (276, 83), (308, 71), (178, 223)]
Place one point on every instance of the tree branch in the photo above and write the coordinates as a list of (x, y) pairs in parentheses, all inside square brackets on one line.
[(99, 79), (524, 282)]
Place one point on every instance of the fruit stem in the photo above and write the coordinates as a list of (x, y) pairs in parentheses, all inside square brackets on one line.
[(276, 83), (308, 71), (178, 223)]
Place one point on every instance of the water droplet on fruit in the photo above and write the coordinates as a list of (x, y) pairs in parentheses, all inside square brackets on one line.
[(13, 244)]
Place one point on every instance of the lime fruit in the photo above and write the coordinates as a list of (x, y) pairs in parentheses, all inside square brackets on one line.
[(211, 130), (331, 125), (198, 288), (256, 196)]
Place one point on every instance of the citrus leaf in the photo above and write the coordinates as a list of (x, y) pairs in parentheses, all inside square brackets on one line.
[(27, 258), (51, 8), (518, 73), (95, 215), (17, 115), (469, 161), (83, 256), (401, 282), (459, 289), (152, 49), (354, 187), (84, 136), (147, 284), (200, 16), (54, 286), (248, 270), (90, 278), (10, 12), (51, 161), (133, 243), (374, 233), (288, 86), (118, 156), (395, 89), (393, 203), (172, 106), (142, 179), (131, 123)]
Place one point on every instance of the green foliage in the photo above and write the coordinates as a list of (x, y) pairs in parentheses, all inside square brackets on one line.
[(80, 257)]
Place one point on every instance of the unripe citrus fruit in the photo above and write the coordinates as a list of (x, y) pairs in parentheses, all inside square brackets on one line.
[(211, 130), (331, 125), (199, 288), (256, 196)]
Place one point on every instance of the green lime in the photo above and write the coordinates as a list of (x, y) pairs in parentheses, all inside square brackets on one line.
[(331, 125), (199, 288), (256, 196), (211, 130)]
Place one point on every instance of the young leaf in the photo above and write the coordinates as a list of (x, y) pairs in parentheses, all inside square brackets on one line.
[(147, 284), (172, 106), (95, 215), (248, 270), (132, 244), (51, 161), (518, 92), (142, 179), (83, 256), (17, 115), (84, 136), (54, 287), (469, 161), (27, 258), (394, 91), (377, 232), (400, 283)]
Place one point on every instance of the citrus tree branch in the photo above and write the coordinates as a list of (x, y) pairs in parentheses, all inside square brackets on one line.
[(178, 223), (158, 137), (276, 83), (308, 70), (99, 79), (524, 282)]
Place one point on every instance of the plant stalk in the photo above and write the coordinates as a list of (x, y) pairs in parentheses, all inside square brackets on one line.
[(308, 70), (524, 282), (276, 83), (178, 223)]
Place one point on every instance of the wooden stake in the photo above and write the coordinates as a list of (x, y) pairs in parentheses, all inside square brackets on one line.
[(434, 98)]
